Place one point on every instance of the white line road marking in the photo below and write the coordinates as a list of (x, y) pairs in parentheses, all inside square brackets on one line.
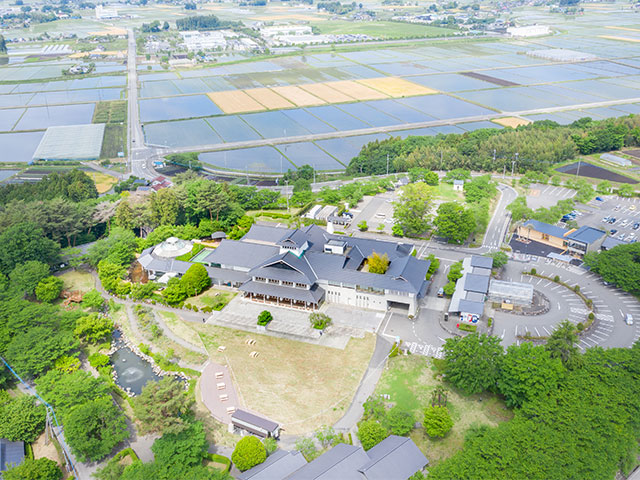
[(537, 332), (545, 329)]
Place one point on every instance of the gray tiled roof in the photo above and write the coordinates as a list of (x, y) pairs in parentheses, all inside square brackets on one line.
[(393, 458), (469, 306), (296, 238), (314, 295), (276, 467), (476, 283), (249, 417), (481, 262), (288, 259), (241, 254), (339, 463), (266, 233), (586, 235), (11, 453), (157, 264), (611, 242), (546, 228)]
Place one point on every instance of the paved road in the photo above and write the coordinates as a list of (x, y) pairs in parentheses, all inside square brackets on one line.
[(497, 228)]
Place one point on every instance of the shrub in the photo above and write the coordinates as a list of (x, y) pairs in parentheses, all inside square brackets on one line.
[(48, 289), (437, 421), (556, 278), (576, 288), (467, 327), (371, 433), (248, 453), (591, 316), (319, 321), (490, 321), (97, 360), (395, 349), (449, 288), (533, 271), (264, 318), (270, 445), (363, 226), (398, 421), (580, 326)]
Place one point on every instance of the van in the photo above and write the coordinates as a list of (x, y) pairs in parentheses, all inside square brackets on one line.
[(628, 319), (441, 292)]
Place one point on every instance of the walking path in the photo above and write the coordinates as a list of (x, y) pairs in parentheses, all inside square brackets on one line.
[(218, 392)]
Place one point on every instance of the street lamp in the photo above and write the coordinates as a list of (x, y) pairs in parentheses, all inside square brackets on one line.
[(286, 192)]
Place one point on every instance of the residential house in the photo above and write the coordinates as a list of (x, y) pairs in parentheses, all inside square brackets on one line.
[(468, 298), (575, 242)]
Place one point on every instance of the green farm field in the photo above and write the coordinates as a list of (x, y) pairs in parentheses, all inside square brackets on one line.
[(382, 29)]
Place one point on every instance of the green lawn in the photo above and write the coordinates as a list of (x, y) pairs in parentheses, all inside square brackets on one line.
[(382, 29), (77, 280), (409, 381), (211, 298), (446, 192)]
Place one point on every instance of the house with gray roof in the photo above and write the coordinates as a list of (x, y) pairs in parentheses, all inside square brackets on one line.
[(11, 454), (248, 422), (471, 290), (575, 242), (395, 458), (584, 239)]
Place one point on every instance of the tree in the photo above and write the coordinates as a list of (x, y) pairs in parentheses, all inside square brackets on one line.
[(362, 226), (161, 407), (49, 289), (479, 188), (49, 346), (24, 278), (248, 453), (398, 421), (434, 265), (319, 321), (3, 44), (34, 469), (626, 190), (454, 222), (64, 391), (179, 454), (175, 292), (24, 242), (449, 288), (397, 231), (327, 436), (437, 421), (371, 433), (528, 372), (472, 363), (562, 344), (270, 445), (93, 300), (378, 263), (93, 328), (500, 259), (195, 279), (431, 178), (620, 266), (20, 418), (604, 187), (439, 397), (94, 428), (264, 317), (411, 211)]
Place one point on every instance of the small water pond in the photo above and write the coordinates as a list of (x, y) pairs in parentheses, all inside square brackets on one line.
[(132, 372)]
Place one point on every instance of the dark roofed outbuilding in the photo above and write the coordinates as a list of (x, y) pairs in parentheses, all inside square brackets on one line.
[(481, 262), (254, 424)]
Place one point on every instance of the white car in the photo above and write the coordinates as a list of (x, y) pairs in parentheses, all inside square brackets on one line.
[(628, 319)]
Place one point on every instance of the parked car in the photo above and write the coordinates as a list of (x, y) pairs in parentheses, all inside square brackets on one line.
[(441, 292), (636, 225), (606, 219), (600, 199), (617, 207), (621, 236), (613, 231), (628, 319), (632, 207), (612, 220)]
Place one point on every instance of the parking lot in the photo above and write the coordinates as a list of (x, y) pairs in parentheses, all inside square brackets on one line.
[(375, 211), (620, 217), (547, 195)]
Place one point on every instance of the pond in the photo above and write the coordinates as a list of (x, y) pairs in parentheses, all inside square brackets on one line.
[(132, 372)]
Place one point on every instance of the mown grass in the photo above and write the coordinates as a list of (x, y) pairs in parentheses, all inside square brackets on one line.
[(77, 280)]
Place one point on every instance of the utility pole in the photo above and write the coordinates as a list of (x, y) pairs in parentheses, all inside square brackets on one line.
[(513, 164), (504, 170), (286, 192), (387, 164), (578, 170)]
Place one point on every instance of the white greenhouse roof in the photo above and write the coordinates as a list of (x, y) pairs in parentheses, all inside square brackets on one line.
[(71, 142)]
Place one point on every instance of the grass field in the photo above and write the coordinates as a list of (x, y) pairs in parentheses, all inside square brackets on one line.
[(268, 98), (396, 87), (409, 380), (77, 280), (211, 297), (114, 111), (446, 193), (298, 96), (297, 384), (103, 181), (326, 93), (382, 29), (357, 90), (114, 141), (235, 101)]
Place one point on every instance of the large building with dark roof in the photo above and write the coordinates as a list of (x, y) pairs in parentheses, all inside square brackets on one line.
[(302, 268), (395, 458), (575, 242)]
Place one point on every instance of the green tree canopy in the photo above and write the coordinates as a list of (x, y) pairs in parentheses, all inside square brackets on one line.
[(620, 266), (472, 363), (93, 428), (38, 469), (93, 328), (24, 242), (378, 263), (562, 344), (371, 433), (49, 289), (412, 209), (162, 406), (195, 279), (437, 421), (64, 391), (248, 453), (528, 372), (20, 418), (24, 278), (454, 222), (398, 421), (21, 352)]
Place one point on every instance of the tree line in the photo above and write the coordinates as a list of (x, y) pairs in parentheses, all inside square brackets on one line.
[(576, 415), (205, 22), (539, 146)]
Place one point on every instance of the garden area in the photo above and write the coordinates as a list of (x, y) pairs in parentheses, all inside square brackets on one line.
[(300, 385), (215, 298), (77, 280), (410, 380)]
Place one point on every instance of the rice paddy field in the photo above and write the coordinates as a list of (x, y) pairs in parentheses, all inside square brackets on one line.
[(299, 102), (35, 95)]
